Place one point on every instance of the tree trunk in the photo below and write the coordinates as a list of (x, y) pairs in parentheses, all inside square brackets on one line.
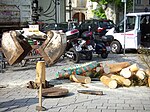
[(80, 79), (111, 83), (116, 67), (133, 67), (147, 71), (126, 73), (140, 74), (121, 80), (149, 81)]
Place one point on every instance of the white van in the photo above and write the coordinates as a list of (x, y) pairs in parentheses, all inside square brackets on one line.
[(137, 32)]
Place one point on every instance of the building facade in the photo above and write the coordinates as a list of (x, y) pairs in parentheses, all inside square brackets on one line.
[(141, 5), (79, 10)]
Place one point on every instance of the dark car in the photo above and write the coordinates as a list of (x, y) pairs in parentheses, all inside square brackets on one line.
[(97, 26), (58, 26)]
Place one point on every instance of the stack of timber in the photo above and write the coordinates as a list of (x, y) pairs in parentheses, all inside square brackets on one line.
[(125, 74), (112, 75)]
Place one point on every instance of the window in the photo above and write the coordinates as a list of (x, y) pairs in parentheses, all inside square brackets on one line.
[(138, 2), (130, 23)]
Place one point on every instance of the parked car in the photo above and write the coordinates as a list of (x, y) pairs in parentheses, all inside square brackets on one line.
[(65, 26), (99, 27)]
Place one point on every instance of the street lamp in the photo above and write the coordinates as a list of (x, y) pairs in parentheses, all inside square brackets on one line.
[(35, 15), (70, 6), (124, 24)]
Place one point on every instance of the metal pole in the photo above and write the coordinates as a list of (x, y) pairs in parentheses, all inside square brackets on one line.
[(133, 5), (124, 26), (70, 6)]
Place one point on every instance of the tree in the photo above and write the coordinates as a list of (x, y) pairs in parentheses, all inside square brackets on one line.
[(118, 6)]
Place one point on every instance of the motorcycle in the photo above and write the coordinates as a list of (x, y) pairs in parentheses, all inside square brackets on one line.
[(101, 44), (76, 47)]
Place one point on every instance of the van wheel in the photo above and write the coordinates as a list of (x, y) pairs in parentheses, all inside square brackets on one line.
[(115, 47)]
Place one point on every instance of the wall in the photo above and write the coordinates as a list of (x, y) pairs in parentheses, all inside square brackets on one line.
[(51, 11)]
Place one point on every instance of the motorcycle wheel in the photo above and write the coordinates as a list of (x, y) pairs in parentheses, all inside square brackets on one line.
[(89, 55), (76, 55), (104, 55)]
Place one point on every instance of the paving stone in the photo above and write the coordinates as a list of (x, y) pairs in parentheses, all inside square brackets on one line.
[(80, 110), (108, 110), (128, 108), (115, 107), (143, 111), (123, 105), (102, 107), (81, 107), (94, 110), (109, 104), (66, 110), (133, 101), (126, 111), (116, 101)]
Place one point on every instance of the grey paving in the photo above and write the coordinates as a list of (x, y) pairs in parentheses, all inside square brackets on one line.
[(15, 97)]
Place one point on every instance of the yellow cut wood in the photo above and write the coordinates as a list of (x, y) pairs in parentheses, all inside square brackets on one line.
[(149, 81), (115, 67), (111, 83), (126, 73), (134, 67), (121, 80), (80, 79), (147, 71), (40, 70), (140, 74)]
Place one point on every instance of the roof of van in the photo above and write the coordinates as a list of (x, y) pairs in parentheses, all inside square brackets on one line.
[(138, 14)]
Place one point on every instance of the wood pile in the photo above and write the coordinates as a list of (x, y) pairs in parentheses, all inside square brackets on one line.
[(125, 74), (112, 75)]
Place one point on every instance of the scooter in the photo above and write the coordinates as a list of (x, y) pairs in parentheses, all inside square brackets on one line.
[(76, 47), (101, 44)]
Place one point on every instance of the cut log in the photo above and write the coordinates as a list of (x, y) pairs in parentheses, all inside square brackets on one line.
[(98, 69), (115, 67), (40, 70), (121, 80), (140, 74), (149, 81), (147, 71), (111, 83), (80, 79), (133, 67), (126, 73)]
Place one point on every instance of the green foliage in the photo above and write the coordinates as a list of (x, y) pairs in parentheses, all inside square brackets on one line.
[(100, 13)]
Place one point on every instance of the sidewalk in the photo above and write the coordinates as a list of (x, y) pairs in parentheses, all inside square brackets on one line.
[(17, 98)]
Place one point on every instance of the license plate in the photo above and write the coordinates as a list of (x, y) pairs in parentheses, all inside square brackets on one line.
[(108, 48), (90, 47)]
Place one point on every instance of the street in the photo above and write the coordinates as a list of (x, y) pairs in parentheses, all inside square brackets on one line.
[(15, 97)]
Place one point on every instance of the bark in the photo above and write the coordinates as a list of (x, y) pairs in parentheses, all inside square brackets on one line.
[(115, 67), (80, 79)]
